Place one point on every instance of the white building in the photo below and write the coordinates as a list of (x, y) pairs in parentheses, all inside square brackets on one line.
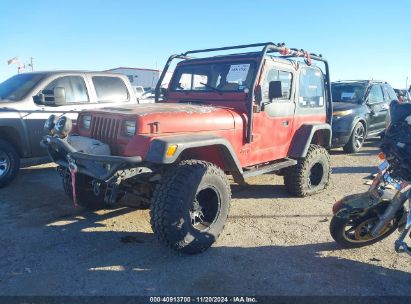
[(146, 78)]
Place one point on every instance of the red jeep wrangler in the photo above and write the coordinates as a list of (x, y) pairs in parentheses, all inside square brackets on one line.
[(242, 115)]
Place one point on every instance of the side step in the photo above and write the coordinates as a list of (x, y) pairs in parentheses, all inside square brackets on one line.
[(287, 162)]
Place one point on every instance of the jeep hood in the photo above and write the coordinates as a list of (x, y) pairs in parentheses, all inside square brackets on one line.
[(172, 118)]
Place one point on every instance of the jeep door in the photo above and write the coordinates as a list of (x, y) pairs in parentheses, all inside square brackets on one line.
[(378, 109), (310, 100), (273, 124)]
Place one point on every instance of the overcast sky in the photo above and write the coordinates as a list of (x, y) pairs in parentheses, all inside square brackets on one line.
[(360, 39)]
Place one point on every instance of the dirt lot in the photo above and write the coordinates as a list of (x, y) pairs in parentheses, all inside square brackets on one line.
[(273, 244)]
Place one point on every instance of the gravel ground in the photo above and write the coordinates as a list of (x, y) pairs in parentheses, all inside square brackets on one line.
[(273, 244)]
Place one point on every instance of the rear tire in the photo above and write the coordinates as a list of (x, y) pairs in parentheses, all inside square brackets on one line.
[(84, 192), (356, 140), (9, 163), (310, 175), (190, 206)]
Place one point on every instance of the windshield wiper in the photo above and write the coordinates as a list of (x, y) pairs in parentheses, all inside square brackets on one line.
[(211, 87)]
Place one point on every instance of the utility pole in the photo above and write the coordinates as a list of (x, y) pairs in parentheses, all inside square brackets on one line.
[(406, 83), (31, 64)]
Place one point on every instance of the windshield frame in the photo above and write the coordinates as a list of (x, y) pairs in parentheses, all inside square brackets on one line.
[(226, 61), (38, 78)]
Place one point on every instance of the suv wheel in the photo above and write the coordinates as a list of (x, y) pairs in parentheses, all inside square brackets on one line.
[(356, 140), (190, 206), (9, 163), (311, 174), (84, 191)]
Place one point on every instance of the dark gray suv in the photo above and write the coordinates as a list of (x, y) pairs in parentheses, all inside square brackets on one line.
[(360, 108)]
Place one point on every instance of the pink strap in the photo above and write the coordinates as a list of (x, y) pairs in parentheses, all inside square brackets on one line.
[(73, 170)]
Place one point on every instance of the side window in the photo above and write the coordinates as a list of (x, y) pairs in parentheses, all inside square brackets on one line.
[(389, 93), (286, 79), (74, 87), (110, 89), (311, 88), (375, 95)]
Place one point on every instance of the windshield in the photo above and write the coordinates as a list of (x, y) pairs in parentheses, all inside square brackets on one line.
[(218, 77), (18, 86), (348, 92)]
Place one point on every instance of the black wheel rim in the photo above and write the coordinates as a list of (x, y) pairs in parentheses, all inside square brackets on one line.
[(205, 209), (359, 136), (4, 163), (359, 230), (316, 175)]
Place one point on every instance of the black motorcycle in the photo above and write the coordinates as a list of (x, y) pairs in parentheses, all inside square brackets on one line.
[(366, 218)]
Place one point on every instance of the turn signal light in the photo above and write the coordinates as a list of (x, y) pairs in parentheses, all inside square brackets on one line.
[(171, 150), (381, 155)]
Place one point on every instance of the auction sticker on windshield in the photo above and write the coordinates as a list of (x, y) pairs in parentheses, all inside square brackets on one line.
[(237, 72)]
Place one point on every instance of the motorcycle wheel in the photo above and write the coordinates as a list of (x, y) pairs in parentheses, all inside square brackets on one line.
[(355, 231)]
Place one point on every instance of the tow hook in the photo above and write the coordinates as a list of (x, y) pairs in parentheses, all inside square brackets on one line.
[(112, 190), (96, 187), (73, 170)]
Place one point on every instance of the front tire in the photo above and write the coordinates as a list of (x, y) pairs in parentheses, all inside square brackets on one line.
[(356, 140), (310, 175), (9, 163), (355, 232), (190, 206)]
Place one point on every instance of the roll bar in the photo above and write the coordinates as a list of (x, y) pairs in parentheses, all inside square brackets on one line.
[(267, 48)]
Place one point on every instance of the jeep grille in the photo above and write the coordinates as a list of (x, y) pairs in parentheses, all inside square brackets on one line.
[(105, 129)]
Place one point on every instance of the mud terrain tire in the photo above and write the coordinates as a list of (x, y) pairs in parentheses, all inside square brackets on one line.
[(310, 175), (190, 206)]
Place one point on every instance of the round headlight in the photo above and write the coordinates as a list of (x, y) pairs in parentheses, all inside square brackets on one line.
[(49, 124), (85, 121), (130, 127), (63, 126)]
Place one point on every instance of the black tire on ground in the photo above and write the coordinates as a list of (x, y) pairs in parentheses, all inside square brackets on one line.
[(310, 175), (190, 206), (9, 163), (356, 140), (357, 237), (84, 192)]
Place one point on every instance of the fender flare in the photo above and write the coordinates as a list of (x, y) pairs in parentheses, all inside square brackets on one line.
[(158, 148), (357, 120), (16, 126), (303, 138)]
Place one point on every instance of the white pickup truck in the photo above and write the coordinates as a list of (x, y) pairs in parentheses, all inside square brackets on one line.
[(27, 100)]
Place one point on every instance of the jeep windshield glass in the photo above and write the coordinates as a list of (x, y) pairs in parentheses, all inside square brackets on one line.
[(217, 77), (18, 86), (348, 92)]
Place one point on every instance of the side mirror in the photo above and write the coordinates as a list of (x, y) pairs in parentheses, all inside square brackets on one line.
[(55, 97), (59, 96), (274, 90)]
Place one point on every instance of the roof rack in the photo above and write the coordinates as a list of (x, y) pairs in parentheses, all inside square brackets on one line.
[(267, 48)]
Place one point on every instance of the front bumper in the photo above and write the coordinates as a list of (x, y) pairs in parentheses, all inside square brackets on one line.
[(100, 167)]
